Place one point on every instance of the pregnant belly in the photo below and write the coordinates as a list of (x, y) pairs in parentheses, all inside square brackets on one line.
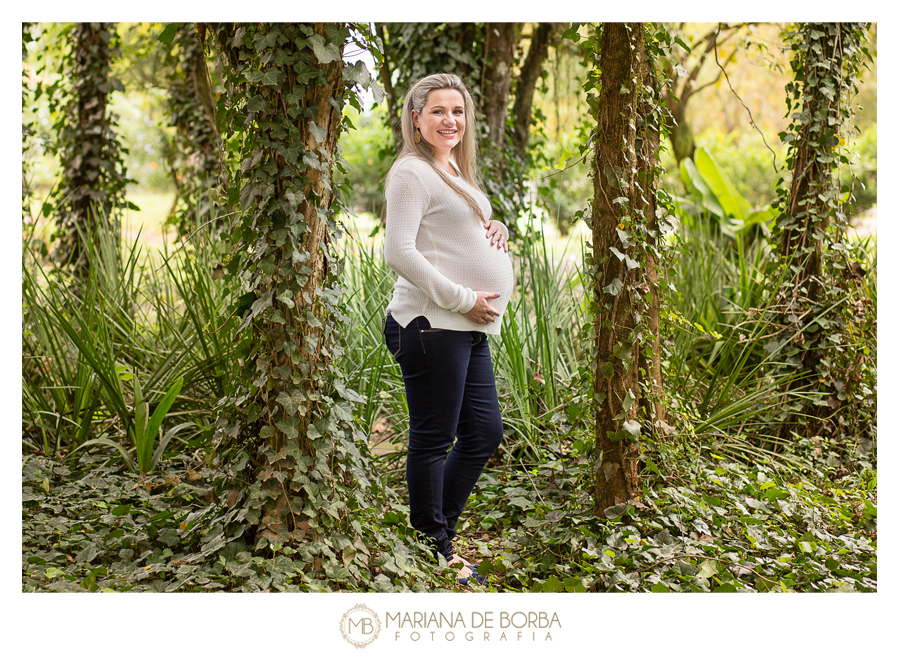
[(491, 272)]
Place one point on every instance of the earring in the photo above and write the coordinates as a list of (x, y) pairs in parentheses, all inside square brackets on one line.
[(417, 136)]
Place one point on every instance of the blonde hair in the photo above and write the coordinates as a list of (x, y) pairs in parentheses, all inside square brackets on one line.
[(464, 154)]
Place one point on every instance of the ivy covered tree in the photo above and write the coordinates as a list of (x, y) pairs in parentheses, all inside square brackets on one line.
[(195, 154), (93, 175), (816, 304), (306, 486), (626, 218)]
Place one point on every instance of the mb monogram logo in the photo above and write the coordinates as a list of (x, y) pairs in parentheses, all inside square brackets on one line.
[(360, 626)]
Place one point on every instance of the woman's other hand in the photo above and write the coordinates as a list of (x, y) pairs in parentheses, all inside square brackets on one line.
[(483, 312), (496, 236)]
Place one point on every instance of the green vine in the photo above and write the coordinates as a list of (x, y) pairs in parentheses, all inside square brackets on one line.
[(93, 179), (819, 307)]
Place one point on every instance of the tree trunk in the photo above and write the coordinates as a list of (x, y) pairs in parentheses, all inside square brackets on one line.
[(681, 135), (810, 205), (616, 383), (531, 72), (648, 150), (286, 195), (500, 43), (93, 172)]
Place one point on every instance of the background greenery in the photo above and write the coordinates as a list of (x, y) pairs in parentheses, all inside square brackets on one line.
[(726, 506)]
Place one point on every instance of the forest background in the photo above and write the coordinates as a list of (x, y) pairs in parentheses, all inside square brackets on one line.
[(721, 129)]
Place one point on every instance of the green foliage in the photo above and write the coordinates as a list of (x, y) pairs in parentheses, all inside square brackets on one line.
[(865, 161), (369, 153), (539, 355), (87, 527), (824, 274), (99, 361), (367, 365), (705, 524), (194, 155), (93, 179), (714, 194), (744, 158)]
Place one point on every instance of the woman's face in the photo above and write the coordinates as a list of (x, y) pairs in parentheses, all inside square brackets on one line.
[(443, 119)]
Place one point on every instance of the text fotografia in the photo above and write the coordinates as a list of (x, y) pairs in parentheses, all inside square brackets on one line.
[(479, 626)]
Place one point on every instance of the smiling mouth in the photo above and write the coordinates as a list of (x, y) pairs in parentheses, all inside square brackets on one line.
[(447, 132)]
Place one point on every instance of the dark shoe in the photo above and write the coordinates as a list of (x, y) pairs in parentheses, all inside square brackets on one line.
[(477, 576)]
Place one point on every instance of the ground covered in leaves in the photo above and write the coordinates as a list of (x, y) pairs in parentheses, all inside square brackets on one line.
[(706, 523)]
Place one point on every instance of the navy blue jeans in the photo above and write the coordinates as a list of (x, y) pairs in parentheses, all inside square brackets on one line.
[(451, 394)]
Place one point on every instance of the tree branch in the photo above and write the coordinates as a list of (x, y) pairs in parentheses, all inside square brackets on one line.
[(752, 122)]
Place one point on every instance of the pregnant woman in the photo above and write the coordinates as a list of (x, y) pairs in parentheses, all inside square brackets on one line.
[(455, 280)]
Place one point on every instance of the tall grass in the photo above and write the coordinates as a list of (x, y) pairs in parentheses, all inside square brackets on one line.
[(368, 367), (539, 351), (102, 355), (726, 370)]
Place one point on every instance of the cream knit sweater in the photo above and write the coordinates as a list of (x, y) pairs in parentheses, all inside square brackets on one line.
[(437, 246)]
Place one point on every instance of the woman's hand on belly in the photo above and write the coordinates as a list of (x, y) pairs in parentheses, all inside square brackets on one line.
[(495, 235), (483, 312)]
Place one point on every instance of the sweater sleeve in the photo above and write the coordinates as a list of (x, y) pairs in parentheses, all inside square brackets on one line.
[(407, 200)]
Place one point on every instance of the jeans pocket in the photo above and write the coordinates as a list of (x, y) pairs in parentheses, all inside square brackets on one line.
[(391, 327)]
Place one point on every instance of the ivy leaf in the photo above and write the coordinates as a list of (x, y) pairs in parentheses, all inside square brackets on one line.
[(348, 393), (707, 569), (238, 37), (261, 304), (289, 427), (631, 264), (286, 298), (377, 92), (317, 131), (682, 44), (614, 287), (625, 238), (572, 34), (628, 401), (358, 74), (617, 253), (291, 401), (633, 428), (272, 78), (256, 104), (325, 53)]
